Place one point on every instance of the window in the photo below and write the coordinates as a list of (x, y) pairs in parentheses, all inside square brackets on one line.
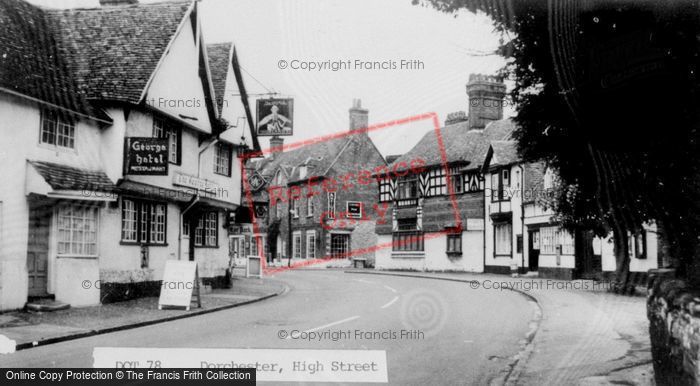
[(385, 193), (500, 182), (222, 159), (296, 207), (309, 206), (454, 244), (206, 234), (407, 241), (296, 245), (437, 183), (456, 180), (165, 128), (144, 222), (408, 187), (502, 235), (639, 239), (407, 224), (77, 230), (311, 245), (552, 237), (254, 243), (57, 130)]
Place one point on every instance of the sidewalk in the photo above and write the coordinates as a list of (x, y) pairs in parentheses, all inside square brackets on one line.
[(584, 335), (30, 329)]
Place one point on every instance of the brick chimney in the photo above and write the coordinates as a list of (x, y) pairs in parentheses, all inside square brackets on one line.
[(276, 144), (486, 93), (358, 115), (114, 3)]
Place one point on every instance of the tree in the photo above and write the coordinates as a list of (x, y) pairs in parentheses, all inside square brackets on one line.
[(607, 94)]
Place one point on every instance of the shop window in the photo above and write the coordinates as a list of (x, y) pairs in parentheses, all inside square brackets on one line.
[(57, 130), (206, 234), (503, 241), (222, 159), (166, 128), (552, 237), (144, 222), (77, 230)]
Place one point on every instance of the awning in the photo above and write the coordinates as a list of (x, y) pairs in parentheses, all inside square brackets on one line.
[(66, 182)]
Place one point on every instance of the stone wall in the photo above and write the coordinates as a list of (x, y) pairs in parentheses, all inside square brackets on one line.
[(673, 310)]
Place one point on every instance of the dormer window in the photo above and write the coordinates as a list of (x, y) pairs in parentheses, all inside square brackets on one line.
[(57, 130)]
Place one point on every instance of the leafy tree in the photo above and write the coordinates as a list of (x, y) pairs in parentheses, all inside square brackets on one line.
[(607, 94)]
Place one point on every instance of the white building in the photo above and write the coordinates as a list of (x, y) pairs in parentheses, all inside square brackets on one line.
[(521, 233), (76, 87)]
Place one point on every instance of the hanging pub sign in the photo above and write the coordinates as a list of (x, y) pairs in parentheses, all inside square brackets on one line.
[(260, 210), (275, 117), (146, 156), (256, 181)]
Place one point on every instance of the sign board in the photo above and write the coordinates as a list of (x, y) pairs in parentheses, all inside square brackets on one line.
[(256, 181), (254, 267), (260, 210), (180, 279), (275, 117), (193, 182), (146, 156), (354, 209)]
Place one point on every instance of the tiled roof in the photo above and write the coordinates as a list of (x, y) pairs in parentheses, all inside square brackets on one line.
[(533, 180), (61, 177), (113, 51), (219, 55), (504, 153), (30, 62), (460, 144)]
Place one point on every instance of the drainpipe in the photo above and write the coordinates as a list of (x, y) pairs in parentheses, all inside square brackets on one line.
[(522, 216)]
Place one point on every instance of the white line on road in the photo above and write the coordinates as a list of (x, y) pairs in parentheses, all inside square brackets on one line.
[(329, 325), (390, 302), (390, 289), (363, 281)]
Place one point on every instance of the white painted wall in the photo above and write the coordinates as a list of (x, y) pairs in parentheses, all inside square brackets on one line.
[(515, 205)]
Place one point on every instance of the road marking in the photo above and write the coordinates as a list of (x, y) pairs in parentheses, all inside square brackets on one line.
[(390, 302), (363, 281), (390, 289), (329, 325)]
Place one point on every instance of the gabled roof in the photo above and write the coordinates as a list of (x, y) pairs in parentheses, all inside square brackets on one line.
[(460, 144), (219, 62), (533, 180), (114, 51), (31, 63), (62, 177), (502, 153)]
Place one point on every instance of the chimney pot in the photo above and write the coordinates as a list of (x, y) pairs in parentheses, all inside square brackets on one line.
[(359, 117), (276, 144)]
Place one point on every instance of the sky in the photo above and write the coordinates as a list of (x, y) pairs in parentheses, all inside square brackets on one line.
[(444, 49)]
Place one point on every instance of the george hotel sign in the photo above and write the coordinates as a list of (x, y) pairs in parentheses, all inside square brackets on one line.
[(146, 156)]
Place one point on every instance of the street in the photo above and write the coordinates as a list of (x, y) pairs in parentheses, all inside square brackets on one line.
[(467, 336)]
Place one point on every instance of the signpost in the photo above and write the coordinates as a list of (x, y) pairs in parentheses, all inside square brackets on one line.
[(146, 156), (180, 281), (275, 117)]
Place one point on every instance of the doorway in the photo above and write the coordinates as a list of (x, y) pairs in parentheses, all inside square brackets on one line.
[(38, 250), (533, 251)]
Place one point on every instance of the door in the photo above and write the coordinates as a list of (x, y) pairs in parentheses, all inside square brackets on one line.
[(533, 251), (340, 245), (38, 251)]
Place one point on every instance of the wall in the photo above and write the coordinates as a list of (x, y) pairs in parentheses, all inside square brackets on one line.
[(673, 310), (434, 257), (515, 210)]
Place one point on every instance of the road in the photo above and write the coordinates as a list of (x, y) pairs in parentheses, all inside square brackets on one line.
[(468, 337)]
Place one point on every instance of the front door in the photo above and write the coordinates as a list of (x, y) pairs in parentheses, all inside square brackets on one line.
[(533, 252), (38, 251), (340, 245)]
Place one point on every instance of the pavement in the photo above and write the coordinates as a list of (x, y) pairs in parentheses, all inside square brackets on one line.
[(585, 335), (31, 329)]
